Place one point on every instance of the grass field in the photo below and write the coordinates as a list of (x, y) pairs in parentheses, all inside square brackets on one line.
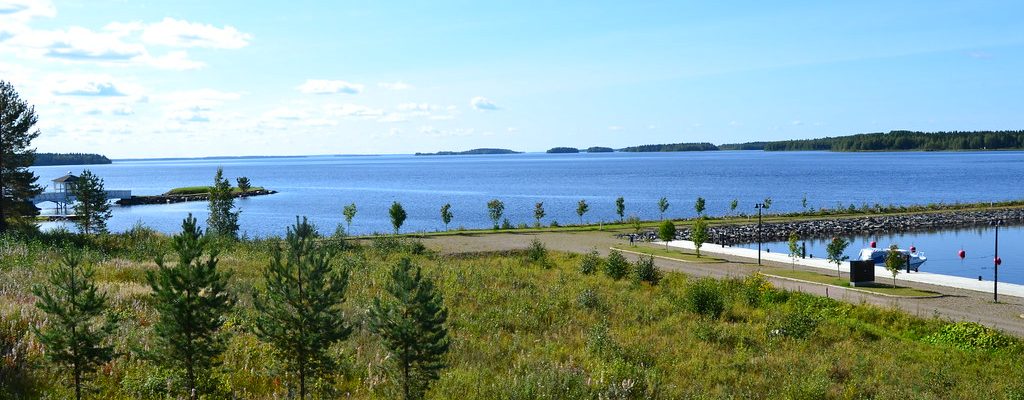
[(527, 330), (877, 287), (672, 253)]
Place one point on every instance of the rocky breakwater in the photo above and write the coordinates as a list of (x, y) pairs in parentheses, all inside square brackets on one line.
[(180, 198), (825, 228)]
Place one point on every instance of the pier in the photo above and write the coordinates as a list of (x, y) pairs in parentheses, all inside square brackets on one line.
[(62, 195)]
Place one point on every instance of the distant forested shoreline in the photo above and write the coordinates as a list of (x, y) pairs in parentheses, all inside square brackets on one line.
[(44, 159), (671, 147), (470, 152), (897, 141)]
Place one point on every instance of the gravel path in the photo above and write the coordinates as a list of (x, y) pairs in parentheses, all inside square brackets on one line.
[(957, 305)]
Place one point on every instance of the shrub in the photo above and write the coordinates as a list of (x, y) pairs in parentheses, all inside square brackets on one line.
[(704, 297), (536, 251), (14, 363), (970, 336), (506, 224), (616, 267), (554, 224), (590, 262), (588, 299), (798, 323), (645, 271)]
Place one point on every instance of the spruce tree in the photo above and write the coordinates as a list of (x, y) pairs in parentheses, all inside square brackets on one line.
[(17, 182), (191, 298), (300, 311), (78, 320), (91, 206), (411, 324), (222, 221)]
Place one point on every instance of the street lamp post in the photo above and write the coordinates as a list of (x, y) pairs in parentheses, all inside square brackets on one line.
[(759, 207), (995, 262)]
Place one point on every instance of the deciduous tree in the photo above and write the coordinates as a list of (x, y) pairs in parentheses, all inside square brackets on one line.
[(446, 215), (699, 206), (834, 251), (794, 247), (620, 207), (582, 208), (699, 234), (494, 209), (894, 262), (663, 206), (349, 212), (666, 231), (398, 215), (538, 213)]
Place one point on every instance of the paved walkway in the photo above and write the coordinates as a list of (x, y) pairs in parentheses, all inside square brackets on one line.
[(881, 273)]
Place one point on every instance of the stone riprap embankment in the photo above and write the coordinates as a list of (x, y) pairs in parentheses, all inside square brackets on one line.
[(168, 198), (825, 228)]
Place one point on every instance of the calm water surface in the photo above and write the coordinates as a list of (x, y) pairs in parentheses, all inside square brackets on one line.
[(319, 186)]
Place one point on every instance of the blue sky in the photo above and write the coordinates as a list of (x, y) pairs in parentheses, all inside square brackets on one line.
[(200, 78)]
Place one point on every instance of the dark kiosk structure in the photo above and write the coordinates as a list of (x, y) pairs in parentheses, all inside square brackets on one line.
[(862, 273)]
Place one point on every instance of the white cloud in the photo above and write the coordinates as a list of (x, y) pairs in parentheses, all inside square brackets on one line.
[(322, 86), (190, 114), (175, 60), (23, 10), (90, 85), (797, 122), (392, 117), (79, 44), (614, 128), (418, 107), (354, 110), (430, 131), (286, 113), (178, 33), (395, 85), (482, 104)]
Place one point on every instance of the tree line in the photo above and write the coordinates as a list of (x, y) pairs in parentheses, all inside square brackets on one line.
[(898, 141), (672, 147), (42, 159)]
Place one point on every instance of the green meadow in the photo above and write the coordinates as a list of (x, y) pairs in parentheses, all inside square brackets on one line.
[(524, 325)]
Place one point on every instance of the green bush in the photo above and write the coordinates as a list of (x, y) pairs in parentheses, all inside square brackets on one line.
[(588, 299), (799, 322), (590, 262), (704, 297), (616, 267), (536, 251), (970, 336), (645, 271)]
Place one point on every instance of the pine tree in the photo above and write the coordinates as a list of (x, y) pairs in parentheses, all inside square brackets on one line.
[(411, 324), (243, 184), (91, 206), (663, 206), (79, 323), (300, 311), (191, 298), (17, 182), (222, 221)]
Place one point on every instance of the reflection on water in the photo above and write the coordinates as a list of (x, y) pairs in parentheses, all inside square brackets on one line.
[(941, 248)]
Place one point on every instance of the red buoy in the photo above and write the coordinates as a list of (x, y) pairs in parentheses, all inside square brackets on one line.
[(913, 249), (999, 261), (962, 254), (873, 244)]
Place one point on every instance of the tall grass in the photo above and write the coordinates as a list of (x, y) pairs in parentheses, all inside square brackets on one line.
[(524, 330)]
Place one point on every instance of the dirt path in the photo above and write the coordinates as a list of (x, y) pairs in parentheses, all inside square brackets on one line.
[(957, 305)]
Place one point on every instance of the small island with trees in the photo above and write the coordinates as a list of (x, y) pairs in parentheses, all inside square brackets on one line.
[(671, 147), (599, 149), (46, 159), (199, 193), (563, 150), (471, 152)]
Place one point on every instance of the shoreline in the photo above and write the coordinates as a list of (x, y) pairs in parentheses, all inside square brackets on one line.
[(168, 199)]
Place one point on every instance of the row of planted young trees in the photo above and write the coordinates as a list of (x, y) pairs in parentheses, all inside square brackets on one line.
[(496, 209), (298, 313)]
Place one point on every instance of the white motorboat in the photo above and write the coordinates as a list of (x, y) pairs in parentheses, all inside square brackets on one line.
[(916, 258)]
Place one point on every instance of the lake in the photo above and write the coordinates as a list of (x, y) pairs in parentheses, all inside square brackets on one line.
[(319, 186)]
